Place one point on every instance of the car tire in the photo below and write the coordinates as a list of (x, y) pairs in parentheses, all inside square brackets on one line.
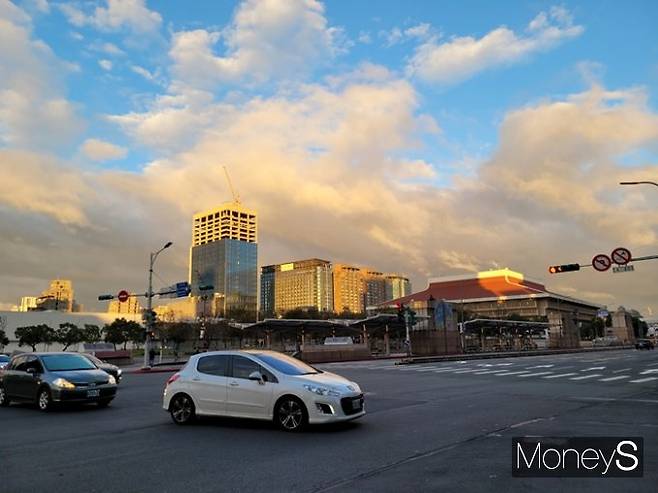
[(44, 400), (4, 399), (182, 410), (290, 414), (104, 403)]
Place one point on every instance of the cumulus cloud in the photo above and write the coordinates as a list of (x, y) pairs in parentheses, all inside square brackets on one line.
[(99, 150), (34, 112), (118, 14), (460, 58), (266, 38), (105, 64)]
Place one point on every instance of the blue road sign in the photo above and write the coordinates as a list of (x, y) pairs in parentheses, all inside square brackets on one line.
[(182, 289)]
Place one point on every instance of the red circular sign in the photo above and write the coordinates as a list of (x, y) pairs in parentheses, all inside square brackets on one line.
[(621, 256), (601, 262), (123, 296)]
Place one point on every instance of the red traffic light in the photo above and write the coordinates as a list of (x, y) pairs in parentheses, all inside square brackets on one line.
[(557, 269)]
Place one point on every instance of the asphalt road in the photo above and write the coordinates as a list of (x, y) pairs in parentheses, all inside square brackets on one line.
[(434, 427)]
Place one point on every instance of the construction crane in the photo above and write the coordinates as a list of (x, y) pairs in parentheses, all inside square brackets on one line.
[(236, 197)]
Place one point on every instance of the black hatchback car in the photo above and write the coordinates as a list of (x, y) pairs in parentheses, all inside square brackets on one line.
[(644, 344), (49, 378), (113, 370)]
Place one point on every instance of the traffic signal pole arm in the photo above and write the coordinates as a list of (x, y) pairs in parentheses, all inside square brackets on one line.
[(557, 269)]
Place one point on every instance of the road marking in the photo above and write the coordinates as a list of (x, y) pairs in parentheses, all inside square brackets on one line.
[(539, 366), (619, 371), (504, 364), (511, 373), (560, 375), (610, 379), (652, 364), (591, 375), (429, 368), (646, 372), (464, 371), (594, 368), (642, 380), (610, 399), (535, 374), (487, 372), (444, 369)]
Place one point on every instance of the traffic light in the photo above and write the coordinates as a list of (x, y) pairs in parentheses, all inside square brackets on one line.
[(557, 269), (148, 317), (105, 297), (401, 309)]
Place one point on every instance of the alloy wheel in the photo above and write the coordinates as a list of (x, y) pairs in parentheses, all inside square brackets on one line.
[(290, 415), (44, 400), (182, 410)]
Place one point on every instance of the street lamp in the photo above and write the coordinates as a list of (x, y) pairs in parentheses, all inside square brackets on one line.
[(149, 304), (638, 183)]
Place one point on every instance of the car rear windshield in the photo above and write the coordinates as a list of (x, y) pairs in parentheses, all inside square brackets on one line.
[(286, 364), (3, 358), (66, 362)]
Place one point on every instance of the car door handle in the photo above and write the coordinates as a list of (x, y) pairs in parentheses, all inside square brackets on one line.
[(234, 384), (195, 379)]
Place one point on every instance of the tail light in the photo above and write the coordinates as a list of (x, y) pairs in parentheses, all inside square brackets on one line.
[(173, 378)]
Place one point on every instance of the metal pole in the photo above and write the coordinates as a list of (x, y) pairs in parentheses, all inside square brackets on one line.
[(407, 323), (149, 305)]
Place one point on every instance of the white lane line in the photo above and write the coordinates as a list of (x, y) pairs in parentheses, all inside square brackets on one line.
[(652, 364), (642, 380), (535, 374), (594, 368), (560, 375), (623, 369), (444, 370), (464, 371), (539, 366), (488, 372), (512, 373), (591, 375), (504, 364), (646, 372), (610, 379), (428, 368)]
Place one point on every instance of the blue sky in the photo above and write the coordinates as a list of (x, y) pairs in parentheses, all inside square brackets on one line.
[(421, 137)]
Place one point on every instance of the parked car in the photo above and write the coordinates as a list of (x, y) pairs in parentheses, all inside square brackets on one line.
[(113, 370), (4, 361), (644, 344), (50, 378), (263, 385)]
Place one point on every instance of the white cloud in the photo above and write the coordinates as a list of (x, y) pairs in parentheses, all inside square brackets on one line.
[(143, 72), (110, 49), (105, 64), (130, 14), (364, 37), (462, 57), (99, 150), (33, 110), (266, 38)]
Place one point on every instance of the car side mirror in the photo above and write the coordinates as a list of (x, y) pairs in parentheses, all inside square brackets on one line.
[(257, 377), (32, 371)]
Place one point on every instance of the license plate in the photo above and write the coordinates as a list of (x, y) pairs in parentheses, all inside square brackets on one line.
[(93, 393)]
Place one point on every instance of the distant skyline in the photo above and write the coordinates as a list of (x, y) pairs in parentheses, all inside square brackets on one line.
[(429, 138)]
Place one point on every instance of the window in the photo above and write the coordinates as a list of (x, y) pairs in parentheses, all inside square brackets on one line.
[(286, 364), (243, 367), (19, 363), (67, 362), (214, 365)]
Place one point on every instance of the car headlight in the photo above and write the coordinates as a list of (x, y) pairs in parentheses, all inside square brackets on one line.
[(62, 383), (321, 390), (112, 380), (119, 372)]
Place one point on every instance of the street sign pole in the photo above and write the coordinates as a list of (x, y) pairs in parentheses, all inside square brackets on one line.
[(149, 305), (407, 325)]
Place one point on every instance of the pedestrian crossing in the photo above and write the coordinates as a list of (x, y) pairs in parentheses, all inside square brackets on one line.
[(577, 371)]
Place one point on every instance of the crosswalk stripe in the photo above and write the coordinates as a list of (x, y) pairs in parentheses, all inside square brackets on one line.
[(535, 374), (646, 372), (594, 368), (619, 371), (591, 375), (560, 375), (642, 380), (610, 379), (489, 372), (512, 373)]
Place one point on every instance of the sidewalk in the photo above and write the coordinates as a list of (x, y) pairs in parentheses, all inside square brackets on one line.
[(168, 365)]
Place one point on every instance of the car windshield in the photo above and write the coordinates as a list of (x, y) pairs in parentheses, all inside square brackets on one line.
[(93, 359), (66, 362), (3, 358), (286, 364)]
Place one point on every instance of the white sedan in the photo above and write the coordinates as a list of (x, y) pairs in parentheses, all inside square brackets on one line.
[(263, 385)]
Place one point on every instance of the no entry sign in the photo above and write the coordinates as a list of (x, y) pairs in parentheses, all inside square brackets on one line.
[(123, 296), (621, 256), (601, 262)]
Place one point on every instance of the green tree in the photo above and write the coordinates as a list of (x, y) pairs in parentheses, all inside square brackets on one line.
[(68, 334), (115, 333), (135, 333), (177, 334), (598, 327), (32, 335), (92, 333)]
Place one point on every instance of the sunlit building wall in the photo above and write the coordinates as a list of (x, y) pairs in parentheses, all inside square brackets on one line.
[(301, 284), (224, 254), (374, 286), (58, 296), (27, 303), (397, 286), (349, 289)]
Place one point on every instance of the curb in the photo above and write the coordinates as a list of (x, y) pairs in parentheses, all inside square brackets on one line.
[(502, 354), (152, 370)]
